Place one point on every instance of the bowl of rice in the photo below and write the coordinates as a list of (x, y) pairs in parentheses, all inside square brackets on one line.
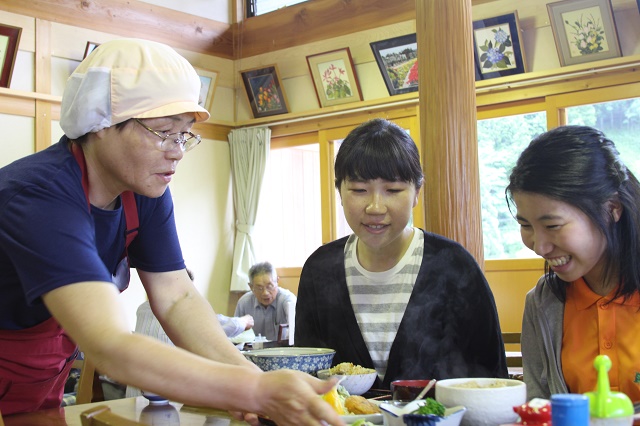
[(489, 401), (354, 378)]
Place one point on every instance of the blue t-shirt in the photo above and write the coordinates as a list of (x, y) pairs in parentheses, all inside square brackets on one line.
[(48, 237)]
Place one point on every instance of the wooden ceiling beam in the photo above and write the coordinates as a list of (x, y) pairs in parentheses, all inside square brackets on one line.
[(131, 18), (292, 26), (317, 20)]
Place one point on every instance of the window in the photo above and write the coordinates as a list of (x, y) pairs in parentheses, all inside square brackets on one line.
[(620, 122), (260, 7), (500, 142), (342, 227), (289, 214)]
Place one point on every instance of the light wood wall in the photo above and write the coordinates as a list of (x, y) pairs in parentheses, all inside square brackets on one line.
[(510, 280)]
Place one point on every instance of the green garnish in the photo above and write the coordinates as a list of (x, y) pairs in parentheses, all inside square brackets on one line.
[(431, 406)]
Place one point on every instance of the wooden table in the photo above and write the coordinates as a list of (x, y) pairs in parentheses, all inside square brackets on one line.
[(139, 409)]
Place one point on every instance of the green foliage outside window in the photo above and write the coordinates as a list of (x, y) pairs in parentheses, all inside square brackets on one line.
[(620, 122), (500, 142)]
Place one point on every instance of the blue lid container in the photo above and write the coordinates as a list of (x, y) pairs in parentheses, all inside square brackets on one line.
[(569, 410)]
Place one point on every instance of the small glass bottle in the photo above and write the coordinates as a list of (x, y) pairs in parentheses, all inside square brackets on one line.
[(569, 409)]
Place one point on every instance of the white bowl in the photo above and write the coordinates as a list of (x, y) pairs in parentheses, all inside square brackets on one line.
[(355, 384), (489, 404), (452, 417)]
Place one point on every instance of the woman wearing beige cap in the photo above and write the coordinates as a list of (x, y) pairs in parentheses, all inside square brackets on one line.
[(75, 216)]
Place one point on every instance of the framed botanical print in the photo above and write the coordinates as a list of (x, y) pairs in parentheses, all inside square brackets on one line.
[(334, 77), (9, 42), (264, 91), (89, 48), (208, 81), (498, 47), (584, 31)]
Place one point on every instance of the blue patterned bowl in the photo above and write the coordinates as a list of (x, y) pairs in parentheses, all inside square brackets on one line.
[(309, 360)]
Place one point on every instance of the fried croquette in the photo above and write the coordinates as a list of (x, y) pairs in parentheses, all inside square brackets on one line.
[(357, 404)]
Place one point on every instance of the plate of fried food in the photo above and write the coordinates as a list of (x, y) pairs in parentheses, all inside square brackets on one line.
[(354, 409)]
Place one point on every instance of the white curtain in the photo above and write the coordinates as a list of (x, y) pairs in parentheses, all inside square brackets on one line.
[(249, 154)]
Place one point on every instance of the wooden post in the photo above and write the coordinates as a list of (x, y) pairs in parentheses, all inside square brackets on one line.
[(43, 84), (448, 122)]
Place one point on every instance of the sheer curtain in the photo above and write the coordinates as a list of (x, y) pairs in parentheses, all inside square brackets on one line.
[(249, 155)]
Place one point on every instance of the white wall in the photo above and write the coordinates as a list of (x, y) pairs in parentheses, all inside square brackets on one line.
[(218, 10), (203, 203)]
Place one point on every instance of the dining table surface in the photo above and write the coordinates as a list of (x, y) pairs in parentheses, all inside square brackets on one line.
[(138, 409)]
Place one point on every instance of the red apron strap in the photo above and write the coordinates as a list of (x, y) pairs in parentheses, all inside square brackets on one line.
[(79, 156), (130, 215), (127, 197)]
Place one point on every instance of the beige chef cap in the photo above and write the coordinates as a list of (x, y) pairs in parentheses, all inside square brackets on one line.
[(128, 78)]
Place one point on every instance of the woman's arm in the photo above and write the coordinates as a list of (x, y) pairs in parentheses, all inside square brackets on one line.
[(90, 313), (188, 318)]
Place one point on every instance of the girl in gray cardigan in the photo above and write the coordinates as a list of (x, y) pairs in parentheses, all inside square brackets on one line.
[(577, 206)]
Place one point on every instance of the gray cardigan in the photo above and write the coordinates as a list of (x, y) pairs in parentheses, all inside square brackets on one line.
[(542, 342)]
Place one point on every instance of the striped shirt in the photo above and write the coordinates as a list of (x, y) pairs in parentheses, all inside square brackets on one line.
[(379, 299)]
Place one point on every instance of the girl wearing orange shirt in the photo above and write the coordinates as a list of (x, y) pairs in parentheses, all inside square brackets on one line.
[(578, 207)]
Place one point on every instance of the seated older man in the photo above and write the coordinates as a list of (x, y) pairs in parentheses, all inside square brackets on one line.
[(268, 304)]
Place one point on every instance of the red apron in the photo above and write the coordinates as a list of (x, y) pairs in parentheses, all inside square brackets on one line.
[(35, 362)]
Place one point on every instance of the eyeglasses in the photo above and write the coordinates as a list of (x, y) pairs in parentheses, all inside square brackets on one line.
[(261, 289), (186, 140)]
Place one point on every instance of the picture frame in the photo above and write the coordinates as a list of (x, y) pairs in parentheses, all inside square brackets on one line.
[(570, 22), (397, 59), (89, 48), (334, 77), (497, 47), (209, 82), (264, 91), (9, 43)]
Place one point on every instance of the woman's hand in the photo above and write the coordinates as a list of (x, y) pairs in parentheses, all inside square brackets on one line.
[(293, 398)]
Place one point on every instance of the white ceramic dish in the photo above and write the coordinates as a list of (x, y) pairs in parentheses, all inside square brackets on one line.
[(355, 384), (452, 416), (246, 336), (376, 419), (486, 405)]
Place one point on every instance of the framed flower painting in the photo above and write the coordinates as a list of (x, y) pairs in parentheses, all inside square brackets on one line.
[(208, 82), (498, 47), (89, 48), (9, 42), (334, 77), (584, 30), (264, 91), (397, 59)]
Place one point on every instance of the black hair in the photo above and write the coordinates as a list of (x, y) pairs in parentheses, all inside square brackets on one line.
[(378, 149), (579, 166)]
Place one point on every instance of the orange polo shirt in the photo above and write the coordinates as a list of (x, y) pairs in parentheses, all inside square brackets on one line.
[(593, 328)]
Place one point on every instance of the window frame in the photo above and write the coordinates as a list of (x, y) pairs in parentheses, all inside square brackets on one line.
[(327, 138), (551, 92), (251, 8)]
